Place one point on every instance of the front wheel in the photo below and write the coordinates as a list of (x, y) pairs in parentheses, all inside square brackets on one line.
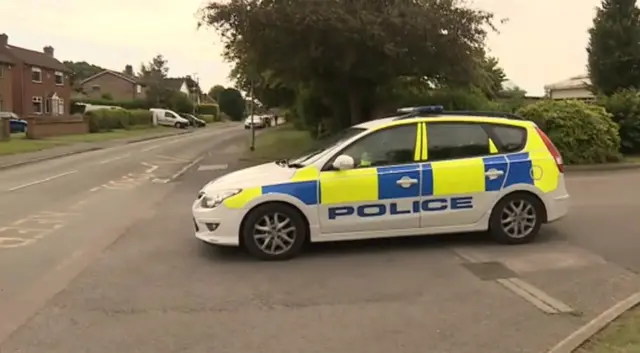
[(274, 232), (516, 219)]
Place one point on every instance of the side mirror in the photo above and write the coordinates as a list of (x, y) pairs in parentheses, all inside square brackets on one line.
[(344, 162)]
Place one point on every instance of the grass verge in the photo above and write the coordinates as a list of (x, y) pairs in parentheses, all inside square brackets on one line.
[(20, 144), (621, 336), (280, 142)]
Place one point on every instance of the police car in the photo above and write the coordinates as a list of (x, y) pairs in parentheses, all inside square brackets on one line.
[(422, 171)]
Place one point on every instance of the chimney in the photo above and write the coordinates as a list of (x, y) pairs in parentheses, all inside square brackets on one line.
[(128, 70), (4, 39), (48, 50)]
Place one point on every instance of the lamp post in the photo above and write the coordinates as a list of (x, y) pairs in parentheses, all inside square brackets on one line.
[(196, 92), (253, 129)]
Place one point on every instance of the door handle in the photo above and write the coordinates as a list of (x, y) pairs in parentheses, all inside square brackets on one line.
[(406, 182), (493, 173)]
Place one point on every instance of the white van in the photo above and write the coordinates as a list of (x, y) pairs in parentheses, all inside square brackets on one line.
[(168, 117)]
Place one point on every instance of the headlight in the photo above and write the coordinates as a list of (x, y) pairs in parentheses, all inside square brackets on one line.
[(212, 201)]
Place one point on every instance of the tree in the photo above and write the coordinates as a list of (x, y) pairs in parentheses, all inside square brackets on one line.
[(81, 70), (490, 77), (614, 47), (232, 103), (153, 73), (180, 102), (346, 49), (215, 91)]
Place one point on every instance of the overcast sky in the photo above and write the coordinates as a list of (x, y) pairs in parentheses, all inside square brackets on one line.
[(543, 42)]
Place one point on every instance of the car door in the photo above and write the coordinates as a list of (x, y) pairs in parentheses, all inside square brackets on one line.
[(463, 174), (380, 191)]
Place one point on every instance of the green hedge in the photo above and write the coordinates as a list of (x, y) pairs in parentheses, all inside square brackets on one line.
[(104, 120), (584, 133), (624, 106), (209, 118), (208, 109)]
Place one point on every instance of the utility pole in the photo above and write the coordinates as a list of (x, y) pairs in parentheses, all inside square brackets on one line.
[(197, 92), (253, 128)]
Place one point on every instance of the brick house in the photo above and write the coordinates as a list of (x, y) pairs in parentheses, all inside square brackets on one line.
[(121, 86), (40, 83), (6, 84)]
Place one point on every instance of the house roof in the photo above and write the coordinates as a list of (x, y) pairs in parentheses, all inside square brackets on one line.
[(121, 75), (580, 81), (36, 58), (6, 59), (173, 83)]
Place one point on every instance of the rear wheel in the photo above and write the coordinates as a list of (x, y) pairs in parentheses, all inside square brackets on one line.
[(274, 232), (516, 219)]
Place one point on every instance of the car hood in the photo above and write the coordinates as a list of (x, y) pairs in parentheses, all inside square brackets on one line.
[(263, 174)]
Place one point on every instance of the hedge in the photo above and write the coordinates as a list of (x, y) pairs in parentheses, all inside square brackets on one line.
[(624, 106), (104, 120), (208, 109), (584, 133)]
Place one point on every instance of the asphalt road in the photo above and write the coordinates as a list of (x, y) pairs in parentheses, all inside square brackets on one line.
[(134, 279), (59, 214)]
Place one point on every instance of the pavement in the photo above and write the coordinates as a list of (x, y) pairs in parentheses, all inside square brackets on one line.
[(118, 269)]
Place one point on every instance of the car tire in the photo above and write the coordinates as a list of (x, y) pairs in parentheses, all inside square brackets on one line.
[(271, 245), (516, 219)]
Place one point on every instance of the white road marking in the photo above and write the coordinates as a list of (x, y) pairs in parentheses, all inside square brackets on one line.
[(212, 167), (151, 148), (179, 160), (41, 181), (185, 168), (151, 167), (114, 158)]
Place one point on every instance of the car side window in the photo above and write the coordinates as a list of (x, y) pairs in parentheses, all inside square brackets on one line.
[(508, 139), (456, 140), (168, 115), (391, 146)]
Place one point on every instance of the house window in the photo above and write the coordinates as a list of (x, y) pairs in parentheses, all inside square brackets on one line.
[(37, 105), (47, 106), (36, 76), (138, 89), (95, 88), (59, 78)]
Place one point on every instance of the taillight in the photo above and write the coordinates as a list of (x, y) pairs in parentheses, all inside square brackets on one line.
[(552, 149)]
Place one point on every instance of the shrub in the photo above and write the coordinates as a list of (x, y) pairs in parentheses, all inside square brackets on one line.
[(209, 118), (624, 106), (208, 109), (583, 133), (104, 120)]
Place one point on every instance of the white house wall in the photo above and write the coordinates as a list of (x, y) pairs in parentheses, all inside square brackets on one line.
[(572, 93)]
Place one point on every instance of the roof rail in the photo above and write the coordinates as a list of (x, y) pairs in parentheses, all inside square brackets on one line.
[(438, 110)]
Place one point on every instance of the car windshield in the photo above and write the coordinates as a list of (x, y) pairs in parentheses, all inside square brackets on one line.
[(323, 145)]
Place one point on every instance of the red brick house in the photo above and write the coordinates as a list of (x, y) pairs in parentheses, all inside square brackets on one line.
[(40, 83), (121, 86), (6, 84)]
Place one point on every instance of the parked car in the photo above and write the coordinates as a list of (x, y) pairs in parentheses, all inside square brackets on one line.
[(15, 123), (259, 122), (194, 121), (168, 117)]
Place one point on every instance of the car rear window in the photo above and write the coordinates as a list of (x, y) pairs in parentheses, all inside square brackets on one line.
[(509, 139)]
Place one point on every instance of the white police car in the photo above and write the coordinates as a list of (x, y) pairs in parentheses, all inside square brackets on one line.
[(425, 171)]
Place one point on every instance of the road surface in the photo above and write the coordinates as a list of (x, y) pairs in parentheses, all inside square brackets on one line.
[(148, 285)]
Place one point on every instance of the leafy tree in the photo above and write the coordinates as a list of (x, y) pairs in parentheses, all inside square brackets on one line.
[(232, 103), (614, 46), (153, 73), (490, 77), (215, 91), (344, 50), (81, 70)]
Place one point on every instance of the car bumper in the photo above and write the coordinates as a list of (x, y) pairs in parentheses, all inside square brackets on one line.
[(219, 226), (557, 207)]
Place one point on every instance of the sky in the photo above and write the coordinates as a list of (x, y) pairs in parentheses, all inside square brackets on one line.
[(542, 42)]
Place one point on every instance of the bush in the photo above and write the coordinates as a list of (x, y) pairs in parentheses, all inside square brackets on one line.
[(625, 108), (208, 109), (209, 118), (104, 120), (583, 133)]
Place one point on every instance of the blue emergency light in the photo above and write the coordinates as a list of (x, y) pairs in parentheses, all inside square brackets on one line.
[(426, 109)]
